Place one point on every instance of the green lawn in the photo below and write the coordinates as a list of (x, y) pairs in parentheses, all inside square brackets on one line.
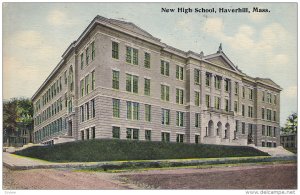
[(116, 150)]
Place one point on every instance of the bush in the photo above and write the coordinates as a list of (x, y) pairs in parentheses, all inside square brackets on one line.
[(117, 150)]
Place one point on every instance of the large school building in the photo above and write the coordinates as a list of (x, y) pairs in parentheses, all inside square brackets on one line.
[(118, 81)]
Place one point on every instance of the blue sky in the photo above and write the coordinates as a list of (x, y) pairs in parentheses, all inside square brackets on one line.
[(261, 44)]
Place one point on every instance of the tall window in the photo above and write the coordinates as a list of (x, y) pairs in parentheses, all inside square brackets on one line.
[(226, 85), (165, 116), (93, 80), (131, 55), (115, 79), (236, 89), (179, 118), (179, 138), (65, 77), (132, 133), (275, 99), (87, 55), (243, 127), (274, 115), (147, 112), (147, 86), (235, 106), (243, 110), (116, 108), (116, 132), (132, 83), (226, 105), (93, 50), (87, 85), (93, 132), (179, 96), (179, 72), (164, 68), (164, 89), (197, 98), (263, 130), (115, 50), (243, 92), (207, 79), (250, 94), (148, 135), (81, 61), (269, 113), (207, 100), (82, 87), (263, 96), (87, 106), (269, 98), (93, 108), (196, 76), (197, 120), (132, 110), (269, 130), (250, 111), (218, 82), (165, 137), (147, 60), (82, 113), (263, 113), (217, 102)]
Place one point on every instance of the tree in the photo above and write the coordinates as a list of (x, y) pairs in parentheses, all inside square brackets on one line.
[(291, 123)]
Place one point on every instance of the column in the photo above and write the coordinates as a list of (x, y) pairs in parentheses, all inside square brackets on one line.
[(222, 106), (202, 89), (231, 95), (212, 90)]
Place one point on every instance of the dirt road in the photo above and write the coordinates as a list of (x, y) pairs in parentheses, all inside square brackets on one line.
[(279, 176)]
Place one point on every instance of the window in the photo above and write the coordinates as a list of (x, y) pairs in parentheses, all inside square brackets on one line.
[(115, 50), (196, 77), (165, 137), (87, 133), (250, 94), (82, 87), (93, 80), (93, 108), (263, 96), (164, 68), (115, 80), (217, 102), (132, 133), (87, 106), (263, 144), (274, 132), (263, 130), (235, 106), (236, 89), (179, 72), (179, 96), (93, 50), (164, 89), (82, 113), (269, 129), (197, 120), (93, 132), (207, 100), (207, 79), (269, 98), (116, 132), (275, 99), (81, 61), (116, 108), (148, 135), (147, 86), (226, 85), (147, 60), (147, 112), (132, 110), (274, 115), (250, 111), (165, 117), (263, 113), (131, 55), (87, 85), (132, 83), (243, 92), (87, 55), (243, 128), (197, 98), (65, 76), (243, 110), (269, 113), (179, 119), (218, 82), (82, 135), (179, 138), (226, 105), (197, 139)]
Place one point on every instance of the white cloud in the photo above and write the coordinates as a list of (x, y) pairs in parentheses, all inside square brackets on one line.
[(28, 38), (185, 23), (56, 17), (290, 92), (214, 26), (257, 17)]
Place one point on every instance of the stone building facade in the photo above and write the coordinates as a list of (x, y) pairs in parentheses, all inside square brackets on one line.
[(118, 81)]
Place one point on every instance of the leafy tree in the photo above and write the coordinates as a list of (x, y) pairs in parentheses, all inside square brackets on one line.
[(291, 125)]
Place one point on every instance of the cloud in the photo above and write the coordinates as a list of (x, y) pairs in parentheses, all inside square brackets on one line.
[(213, 25), (28, 38), (291, 92), (60, 18), (257, 17)]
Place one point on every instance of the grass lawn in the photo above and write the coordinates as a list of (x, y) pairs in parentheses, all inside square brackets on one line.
[(117, 150)]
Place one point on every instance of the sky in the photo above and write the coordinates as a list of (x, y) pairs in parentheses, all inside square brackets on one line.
[(35, 35)]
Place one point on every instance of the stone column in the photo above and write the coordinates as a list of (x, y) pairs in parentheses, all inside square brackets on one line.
[(231, 95), (202, 89), (222, 106), (212, 90)]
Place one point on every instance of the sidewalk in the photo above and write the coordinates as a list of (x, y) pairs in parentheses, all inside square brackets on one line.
[(16, 162)]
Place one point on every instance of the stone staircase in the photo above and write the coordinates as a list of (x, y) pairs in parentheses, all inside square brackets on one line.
[(276, 152)]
